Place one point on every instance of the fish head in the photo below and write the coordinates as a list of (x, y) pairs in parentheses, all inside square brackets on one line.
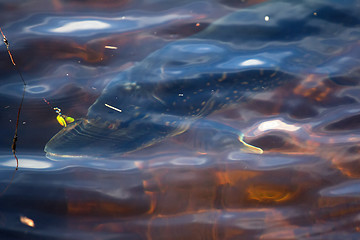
[(98, 138)]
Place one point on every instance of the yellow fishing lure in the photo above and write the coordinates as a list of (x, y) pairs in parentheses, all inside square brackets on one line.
[(63, 120)]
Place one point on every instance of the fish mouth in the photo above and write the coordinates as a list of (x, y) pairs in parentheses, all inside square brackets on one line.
[(83, 138), (100, 138), (65, 142)]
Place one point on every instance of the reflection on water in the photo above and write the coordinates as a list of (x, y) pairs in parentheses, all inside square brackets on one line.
[(211, 196), (196, 185)]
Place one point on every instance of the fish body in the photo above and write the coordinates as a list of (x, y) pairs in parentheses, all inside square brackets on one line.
[(234, 58)]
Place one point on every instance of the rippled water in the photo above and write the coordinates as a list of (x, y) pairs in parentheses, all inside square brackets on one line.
[(304, 186)]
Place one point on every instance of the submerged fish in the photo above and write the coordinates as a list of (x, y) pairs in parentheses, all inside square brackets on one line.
[(249, 51)]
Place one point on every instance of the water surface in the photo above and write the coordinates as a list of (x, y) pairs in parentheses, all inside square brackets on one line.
[(304, 186)]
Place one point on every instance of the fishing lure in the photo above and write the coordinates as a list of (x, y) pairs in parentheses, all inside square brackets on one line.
[(63, 119)]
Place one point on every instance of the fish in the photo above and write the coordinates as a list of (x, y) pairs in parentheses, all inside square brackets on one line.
[(250, 51)]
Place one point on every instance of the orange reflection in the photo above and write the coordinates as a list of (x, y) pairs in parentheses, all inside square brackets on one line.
[(349, 169), (280, 234), (347, 161), (85, 52), (314, 87), (84, 203), (27, 221), (234, 177), (57, 5), (67, 49), (201, 153), (153, 202), (269, 193)]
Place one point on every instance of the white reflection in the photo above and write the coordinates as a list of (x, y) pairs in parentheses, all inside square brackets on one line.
[(252, 62), (250, 223), (247, 61), (101, 164), (28, 163), (111, 47), (277, 124), (84, 25), (188, 161), (270, 162), (118, 193), (37, 89), (200, 48), (80, 26)]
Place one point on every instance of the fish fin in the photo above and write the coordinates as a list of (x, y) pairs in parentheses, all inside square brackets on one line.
[(250, 148)]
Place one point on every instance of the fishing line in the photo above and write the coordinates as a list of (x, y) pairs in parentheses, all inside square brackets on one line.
[(15, 138)]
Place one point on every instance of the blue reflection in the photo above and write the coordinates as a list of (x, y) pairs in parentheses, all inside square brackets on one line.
[(346, 189)]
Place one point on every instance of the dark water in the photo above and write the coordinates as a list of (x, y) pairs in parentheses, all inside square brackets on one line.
[(304, 186)]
